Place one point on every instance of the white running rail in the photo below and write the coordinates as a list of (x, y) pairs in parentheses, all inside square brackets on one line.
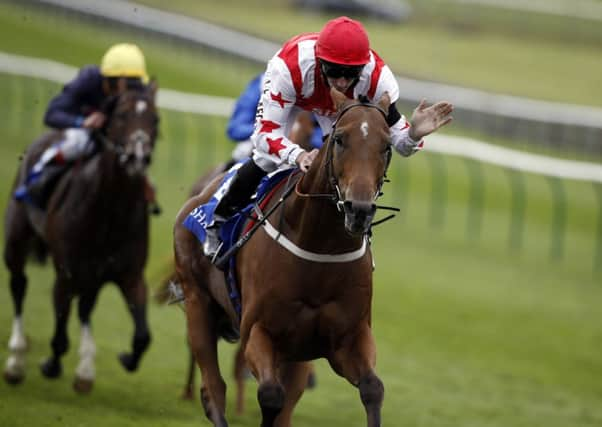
[(220, 106), (258, 50)]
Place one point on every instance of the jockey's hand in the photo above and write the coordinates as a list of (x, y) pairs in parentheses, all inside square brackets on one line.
[(305, 159), (426, 120), (95, 120)]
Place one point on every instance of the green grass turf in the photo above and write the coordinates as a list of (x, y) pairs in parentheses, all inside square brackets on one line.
[(525, 54), (470, 330), (474, 325)]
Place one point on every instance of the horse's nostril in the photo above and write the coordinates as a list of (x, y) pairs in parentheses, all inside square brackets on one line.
[(359, 207)]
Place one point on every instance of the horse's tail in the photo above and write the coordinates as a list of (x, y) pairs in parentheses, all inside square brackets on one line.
[(165, 294)]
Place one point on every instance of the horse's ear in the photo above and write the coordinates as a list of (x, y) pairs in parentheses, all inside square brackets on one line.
[(152, 87), (338, 98), (384, 101)]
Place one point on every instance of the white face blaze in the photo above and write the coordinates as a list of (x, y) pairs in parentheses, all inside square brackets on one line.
[(140, 107), (364, 128)]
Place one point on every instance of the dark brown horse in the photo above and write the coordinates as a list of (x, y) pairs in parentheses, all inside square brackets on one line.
[(307, 287), (95, 228)]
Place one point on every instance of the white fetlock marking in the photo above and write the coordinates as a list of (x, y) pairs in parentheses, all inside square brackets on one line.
[(87, 351), (17, 345), (17, 342)]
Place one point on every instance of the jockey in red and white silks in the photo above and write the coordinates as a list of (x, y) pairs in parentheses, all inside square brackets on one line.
[(294, 81), (299, 77)]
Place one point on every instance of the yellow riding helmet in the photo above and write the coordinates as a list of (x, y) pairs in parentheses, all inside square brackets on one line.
[(124, 60)]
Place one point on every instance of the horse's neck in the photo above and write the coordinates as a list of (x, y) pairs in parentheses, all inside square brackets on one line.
[(110, 181), (314, 223)]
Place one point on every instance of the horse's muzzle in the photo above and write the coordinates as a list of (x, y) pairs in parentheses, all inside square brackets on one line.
[(137, 155), (358, 216)]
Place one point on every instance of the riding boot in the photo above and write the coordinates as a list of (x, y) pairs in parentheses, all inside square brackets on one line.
[(237, 196), (39, 186)]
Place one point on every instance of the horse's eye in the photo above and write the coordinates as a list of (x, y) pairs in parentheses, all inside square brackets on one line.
[(338, 140)]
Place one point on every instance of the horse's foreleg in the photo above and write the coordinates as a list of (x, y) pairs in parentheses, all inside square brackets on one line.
[(202, 338), (86, 372), (261, 357), (52, 367), (355, 361), (14, 372), (135, 297), (15, 254), (294, 379)]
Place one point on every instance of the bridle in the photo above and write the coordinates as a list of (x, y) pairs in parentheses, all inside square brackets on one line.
[(119, 147), (336, 196)]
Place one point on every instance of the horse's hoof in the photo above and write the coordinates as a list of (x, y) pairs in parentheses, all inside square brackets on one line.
[(13, 378), (82, 385), (51, 368), (128, 362)]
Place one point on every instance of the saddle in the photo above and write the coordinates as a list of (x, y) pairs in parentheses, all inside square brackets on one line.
[(203, 217)]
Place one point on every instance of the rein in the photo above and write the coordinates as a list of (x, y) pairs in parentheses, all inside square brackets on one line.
[(259, 221), (262, 219), (108, 144)]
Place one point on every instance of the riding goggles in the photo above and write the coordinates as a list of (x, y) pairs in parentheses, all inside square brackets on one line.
[(336, 71)]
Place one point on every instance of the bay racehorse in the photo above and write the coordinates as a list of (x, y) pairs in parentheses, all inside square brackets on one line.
[(305, 277), (301, 133), (95, 229)]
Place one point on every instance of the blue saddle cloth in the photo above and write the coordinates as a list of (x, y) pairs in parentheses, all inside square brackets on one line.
[(202, 217)]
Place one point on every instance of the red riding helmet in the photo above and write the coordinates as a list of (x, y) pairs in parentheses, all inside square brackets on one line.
[(343, 41)]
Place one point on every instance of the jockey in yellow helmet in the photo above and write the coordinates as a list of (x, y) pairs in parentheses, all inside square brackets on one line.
[(76, 111), (124, 60)]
